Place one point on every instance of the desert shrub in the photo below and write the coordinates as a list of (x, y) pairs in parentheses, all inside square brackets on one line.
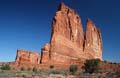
[(5, 67), (53, 72), (105, 61), (73, 68), (24, 75), (110, 63), (34, 70), (22, 69), (29, 69), (114, 63), (91, 66), (56, 72), (2, 71), (51, 66)]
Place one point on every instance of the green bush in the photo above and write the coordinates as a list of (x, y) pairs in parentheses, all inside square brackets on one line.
[(23, 75), (56, 72), (29, 69), (34, 70), (51, 66), (73, 68), (22, 69), (6, 67), (91, 66)]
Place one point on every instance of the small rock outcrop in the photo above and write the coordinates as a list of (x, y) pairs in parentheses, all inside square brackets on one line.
[(26, 57), (45, 54)]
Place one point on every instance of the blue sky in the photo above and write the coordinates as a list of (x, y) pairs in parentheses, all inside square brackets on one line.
[(26, 24)]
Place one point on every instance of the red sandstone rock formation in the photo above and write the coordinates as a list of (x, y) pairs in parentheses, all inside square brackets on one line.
[(67, 35), (93, 42), (45, 54), (26, 57), (67, 44)]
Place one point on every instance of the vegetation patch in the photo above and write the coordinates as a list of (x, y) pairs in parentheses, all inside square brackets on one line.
[(91, 66), (73, 69), (5, 67)]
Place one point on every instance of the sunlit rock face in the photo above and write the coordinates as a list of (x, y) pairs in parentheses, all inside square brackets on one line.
[(67, 41), (26, 57), (45, 54), (67, 23), (67, 35), (68, 44), (93, 42)]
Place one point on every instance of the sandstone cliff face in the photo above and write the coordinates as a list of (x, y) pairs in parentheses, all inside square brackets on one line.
[(67, 35), (26, 57), (67, 23), (67, 44), (45, 54), (93, 42)]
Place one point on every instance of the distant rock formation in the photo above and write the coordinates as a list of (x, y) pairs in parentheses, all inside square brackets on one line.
[(68, 44), (26, 57)]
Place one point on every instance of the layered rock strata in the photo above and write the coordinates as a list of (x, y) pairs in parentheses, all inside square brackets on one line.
[(27, 57), (68, 44)]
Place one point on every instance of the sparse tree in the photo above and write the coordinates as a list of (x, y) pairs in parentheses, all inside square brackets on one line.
[(51, 66), (6, 67), (22, 68), (91, 66), (29, 69), (35, 70), (73, 69)]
